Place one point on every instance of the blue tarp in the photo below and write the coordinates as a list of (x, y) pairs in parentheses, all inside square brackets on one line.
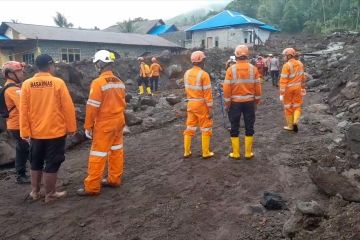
[(269, 28), (3, 37), (225, 19), (162, 29)]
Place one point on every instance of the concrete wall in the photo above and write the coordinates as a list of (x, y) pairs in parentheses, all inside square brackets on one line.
[(87, 50), (229, 37), (177, 37)]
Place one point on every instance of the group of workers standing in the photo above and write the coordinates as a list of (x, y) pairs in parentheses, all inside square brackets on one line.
[(242, 93), (40, 114)]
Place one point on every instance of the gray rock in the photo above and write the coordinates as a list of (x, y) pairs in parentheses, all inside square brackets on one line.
[(129, 82), (149, 101), (343, 124), (353, 105), (340, 115), (7, 153), (314, 83), (318, 108), (331, 183), (149, 122), (353, 137), (351, 90), (131, 119), (310, 208), (163, 104), (173, 99), (165, 56), (174, 71)]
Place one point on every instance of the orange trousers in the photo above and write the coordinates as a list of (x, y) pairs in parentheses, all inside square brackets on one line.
[(292, 100), (106, 146), (198, 115)]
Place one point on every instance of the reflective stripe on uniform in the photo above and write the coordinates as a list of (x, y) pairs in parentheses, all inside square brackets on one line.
[(196, 99), (227, 99), (117, 147), (294, 84), (112, 86), (206, 129), (98, 154), (209, 104), (296, 105), (190, 128), (243, 97), (287, 105), (197, 85), (93, 103), (257, 97), (284, 75)]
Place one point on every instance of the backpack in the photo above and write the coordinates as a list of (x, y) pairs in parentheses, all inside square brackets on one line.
[(4, 111)]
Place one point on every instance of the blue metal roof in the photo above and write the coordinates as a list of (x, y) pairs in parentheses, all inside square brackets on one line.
[(269, 28), (225, 19), (162, 29), (3, 37)]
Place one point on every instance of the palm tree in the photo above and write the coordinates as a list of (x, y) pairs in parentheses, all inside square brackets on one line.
[(61, 21), (126, 26)]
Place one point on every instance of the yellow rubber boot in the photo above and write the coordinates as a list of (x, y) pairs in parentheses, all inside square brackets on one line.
[(187, 146), (248, 147), (235, 143), (205, 145), (297, 115), (289, 122), (148, 90), (141, 90)]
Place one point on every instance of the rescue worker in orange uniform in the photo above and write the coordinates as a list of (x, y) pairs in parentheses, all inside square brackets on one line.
[(47, 115), (292, 88), (155, 69), (199, 106), (242, 92), (144, 74), (104, 124), (14, 75)]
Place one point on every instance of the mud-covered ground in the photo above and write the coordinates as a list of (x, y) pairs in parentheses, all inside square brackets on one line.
[(164, 196)]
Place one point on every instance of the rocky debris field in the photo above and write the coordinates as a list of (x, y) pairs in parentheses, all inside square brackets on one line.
[(310, 179)]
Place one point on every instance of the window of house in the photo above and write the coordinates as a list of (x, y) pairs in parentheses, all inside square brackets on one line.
[(70, 54), (245, 40), (28, 58), (203, 43), (216, 41), (11, 58), (188, 36)]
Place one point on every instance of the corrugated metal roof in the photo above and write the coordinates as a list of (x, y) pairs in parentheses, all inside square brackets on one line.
[(30, 31), (225, 19), (270, 28), (163, 29), (142, 27)]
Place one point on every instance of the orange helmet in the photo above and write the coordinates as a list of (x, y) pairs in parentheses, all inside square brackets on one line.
[(153, 59), (12, 66), (289, 51), (241, 50), (197, 56), (140, 59)]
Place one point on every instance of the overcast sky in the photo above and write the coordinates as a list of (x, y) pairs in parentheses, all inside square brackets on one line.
[(102, 14)]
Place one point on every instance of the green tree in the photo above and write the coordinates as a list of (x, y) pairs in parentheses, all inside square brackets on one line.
[(61, 21), (290, 22)]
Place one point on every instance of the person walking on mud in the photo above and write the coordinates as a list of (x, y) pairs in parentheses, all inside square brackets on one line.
[(242, 93), (47, 115), (104, 124), (292, 89), (199, 108), (144, 74), (10, 107), (274, 67)]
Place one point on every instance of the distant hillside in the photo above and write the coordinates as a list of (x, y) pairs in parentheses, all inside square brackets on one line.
[(198, 15)]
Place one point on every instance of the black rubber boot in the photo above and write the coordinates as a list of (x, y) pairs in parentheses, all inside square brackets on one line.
[(23, 179)]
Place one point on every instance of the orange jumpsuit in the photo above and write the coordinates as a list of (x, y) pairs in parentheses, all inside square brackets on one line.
[(105, 116), (155, 69), (12, 99), (291, 82), (199, 96)]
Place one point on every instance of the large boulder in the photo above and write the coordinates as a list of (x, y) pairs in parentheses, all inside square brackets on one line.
[(7, 153), (173, 99), (353, 137), (131, 119), (332, 183), (174, 71)]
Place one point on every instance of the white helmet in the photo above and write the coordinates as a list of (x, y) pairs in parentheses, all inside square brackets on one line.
[(104, 56), (232, 59)]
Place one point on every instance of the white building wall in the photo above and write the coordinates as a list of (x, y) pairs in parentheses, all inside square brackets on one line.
[(229, 37)]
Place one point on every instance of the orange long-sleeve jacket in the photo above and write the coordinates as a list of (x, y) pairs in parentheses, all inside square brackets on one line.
[(12, 100), (106, 100), (198, 86), (155, 69), (46, 108), (292, 75), (242, 83), (144, 70)]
